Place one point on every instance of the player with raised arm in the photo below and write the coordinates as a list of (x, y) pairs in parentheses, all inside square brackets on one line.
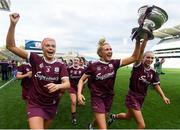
[(101, 76), (142, 76), (49, 76)]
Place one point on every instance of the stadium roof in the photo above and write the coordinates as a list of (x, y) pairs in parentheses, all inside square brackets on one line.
[(168, 32)]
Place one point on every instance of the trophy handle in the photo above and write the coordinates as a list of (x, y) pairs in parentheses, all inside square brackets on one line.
[(139, 33), (147, 12)]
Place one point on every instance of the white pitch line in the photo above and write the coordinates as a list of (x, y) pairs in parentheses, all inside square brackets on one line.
[(6, 83)]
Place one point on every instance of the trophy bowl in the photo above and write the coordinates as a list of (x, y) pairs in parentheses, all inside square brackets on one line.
[(150, 19), (155, 19)]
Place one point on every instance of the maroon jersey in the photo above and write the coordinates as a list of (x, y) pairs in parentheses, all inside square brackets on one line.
[(44, 72), (141, 78), (102, 77), (23, 69), (75, 74)]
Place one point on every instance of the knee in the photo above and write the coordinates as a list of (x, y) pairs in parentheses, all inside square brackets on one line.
[(128, 116), (73, 102)]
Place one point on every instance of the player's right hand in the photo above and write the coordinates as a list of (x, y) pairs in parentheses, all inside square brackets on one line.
[(81, 99), (14, 17)]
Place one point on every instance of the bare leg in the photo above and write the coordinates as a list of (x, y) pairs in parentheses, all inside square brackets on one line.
[(124, 116), (36, 123), (73, 102), (121, 116), (73, 108), (101, 120), (138, 118)]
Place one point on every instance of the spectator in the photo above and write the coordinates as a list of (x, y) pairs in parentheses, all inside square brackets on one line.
[(14, 69), (4, 70), (158, 65)]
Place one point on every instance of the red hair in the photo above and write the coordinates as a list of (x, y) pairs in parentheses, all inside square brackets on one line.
[(45, 40)]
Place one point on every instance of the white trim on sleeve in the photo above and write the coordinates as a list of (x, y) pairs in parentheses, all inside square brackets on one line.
[(65, 77), (19, 72), (156, 83)]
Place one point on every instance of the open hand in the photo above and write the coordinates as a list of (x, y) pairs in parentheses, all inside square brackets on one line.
[(52, 87), (81, 99)]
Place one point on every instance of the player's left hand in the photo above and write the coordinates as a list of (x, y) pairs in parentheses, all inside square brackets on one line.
[(166, 100)]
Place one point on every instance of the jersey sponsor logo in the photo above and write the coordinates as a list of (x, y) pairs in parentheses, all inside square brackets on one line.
[(99, 76), (143, 79), (40, 76)]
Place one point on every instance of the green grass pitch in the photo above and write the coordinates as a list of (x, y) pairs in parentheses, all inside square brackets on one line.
[(156, 114)]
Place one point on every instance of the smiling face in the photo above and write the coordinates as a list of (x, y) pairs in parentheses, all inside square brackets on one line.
[(106, 53), (148, 58), (49, 49), (76, 61)]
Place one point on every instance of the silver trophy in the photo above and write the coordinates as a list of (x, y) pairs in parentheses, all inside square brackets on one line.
[(150, 19), (5, 5)]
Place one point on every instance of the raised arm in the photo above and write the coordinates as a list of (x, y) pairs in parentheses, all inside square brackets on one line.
[(133, 57), (10, 40), (136, 53), (142, 47)]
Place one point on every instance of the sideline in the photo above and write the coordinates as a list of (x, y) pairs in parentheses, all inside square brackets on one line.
[(6, 83)]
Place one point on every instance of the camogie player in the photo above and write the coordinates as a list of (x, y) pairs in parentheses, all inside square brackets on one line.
[(142, 76), (24, 73), (48, 77), (75, 73), (101, 77)]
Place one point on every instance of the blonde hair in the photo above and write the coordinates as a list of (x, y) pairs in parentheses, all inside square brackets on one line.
[(101, 43), (145, 53)]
